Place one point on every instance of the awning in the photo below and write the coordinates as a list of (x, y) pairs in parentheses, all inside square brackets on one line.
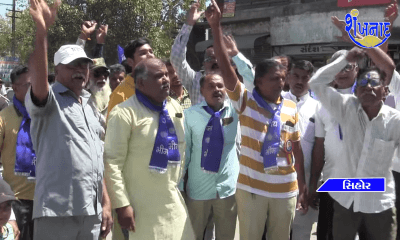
[(242, 41)]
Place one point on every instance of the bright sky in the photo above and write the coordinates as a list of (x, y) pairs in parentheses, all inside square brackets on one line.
[(3, 8)]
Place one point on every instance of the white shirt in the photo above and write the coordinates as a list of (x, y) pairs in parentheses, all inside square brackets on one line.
[(306, 107), (394, 88), (368, 145), (326, 127)]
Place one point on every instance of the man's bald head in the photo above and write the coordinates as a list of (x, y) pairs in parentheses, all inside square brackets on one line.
[(151, 78), (141, 70)]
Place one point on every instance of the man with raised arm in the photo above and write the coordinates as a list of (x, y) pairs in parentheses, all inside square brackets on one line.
[(71, 201), (269, 180), (370, 135), (190, 78)]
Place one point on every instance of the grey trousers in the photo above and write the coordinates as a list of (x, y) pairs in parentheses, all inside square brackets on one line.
[(68, 228)]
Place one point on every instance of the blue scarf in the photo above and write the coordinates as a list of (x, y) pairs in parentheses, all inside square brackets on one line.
[(165, 148), (25, 157), (213, 142), (270, 148)]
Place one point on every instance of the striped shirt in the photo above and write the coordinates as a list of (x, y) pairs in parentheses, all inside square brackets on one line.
[(254, 120)]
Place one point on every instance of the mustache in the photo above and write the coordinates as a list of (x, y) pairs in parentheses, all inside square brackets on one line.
[(78, 75), (166, 85), (217, 94)]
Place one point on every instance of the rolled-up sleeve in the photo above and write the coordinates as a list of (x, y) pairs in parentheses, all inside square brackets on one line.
[(245, 68), (35, 110), (117, 139)]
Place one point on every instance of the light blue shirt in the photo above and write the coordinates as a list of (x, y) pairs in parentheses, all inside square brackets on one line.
[(202, 185)]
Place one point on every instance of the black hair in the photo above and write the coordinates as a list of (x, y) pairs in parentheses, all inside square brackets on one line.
[(128, 69), (303, 65), (51, 78), (16, 72), (130, 49), (264, 66), (382, 74), (116, 68)]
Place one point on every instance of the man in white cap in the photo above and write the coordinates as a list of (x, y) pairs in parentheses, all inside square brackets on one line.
[(71, 200)]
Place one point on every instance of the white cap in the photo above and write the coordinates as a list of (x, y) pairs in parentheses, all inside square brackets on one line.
[(69, 53)]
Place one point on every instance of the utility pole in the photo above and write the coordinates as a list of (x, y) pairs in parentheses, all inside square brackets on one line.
[(13, 25)]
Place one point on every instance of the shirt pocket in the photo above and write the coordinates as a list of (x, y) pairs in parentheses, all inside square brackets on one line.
[(379, 158)]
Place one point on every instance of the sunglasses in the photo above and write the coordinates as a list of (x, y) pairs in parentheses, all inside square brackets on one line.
[(373, 82), (348, 67), (100, 73)]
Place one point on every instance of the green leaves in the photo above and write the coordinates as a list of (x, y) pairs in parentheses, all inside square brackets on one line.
[(127, 20)]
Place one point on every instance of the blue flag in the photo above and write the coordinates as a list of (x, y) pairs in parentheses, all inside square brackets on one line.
[(121, 56), (353, 185)]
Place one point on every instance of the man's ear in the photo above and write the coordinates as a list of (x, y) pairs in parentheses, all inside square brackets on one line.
[(139, 83), (131, 63)]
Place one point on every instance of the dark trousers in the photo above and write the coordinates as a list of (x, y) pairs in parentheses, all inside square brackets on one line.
[(369, 226), (325, 217), (396, 177), (23, 213)]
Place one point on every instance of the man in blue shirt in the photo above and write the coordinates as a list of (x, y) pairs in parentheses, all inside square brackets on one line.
[(211, 160)]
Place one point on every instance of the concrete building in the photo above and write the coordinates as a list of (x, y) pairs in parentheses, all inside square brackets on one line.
[(301, 29)]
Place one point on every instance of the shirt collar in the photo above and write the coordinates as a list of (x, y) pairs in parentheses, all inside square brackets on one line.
[(19, 114), (345, 90), (59, 88), (226, 103), (382, 112), (129, 80), (300, 99)]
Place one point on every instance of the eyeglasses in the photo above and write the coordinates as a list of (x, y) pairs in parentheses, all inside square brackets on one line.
[(210, 59), (348, 67), (100, 73), (373, 82)]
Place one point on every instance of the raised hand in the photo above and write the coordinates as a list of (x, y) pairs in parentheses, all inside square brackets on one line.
[(392, 12), (194, 14), (213, 14), (101, 34), (341, 25), (43, 15), (355, 54), (231, 45), (87, 28)]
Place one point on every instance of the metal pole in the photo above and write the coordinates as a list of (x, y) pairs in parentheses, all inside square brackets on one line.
[(13, 30)]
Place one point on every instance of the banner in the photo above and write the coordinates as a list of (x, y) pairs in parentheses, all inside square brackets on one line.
[(353, 185), (7, 64), (121, 56), (353, 3)]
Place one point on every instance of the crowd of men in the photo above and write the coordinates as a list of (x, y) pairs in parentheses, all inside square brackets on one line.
[(152, 149)]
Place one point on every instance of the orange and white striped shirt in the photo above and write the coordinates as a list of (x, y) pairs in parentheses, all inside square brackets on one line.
[(254, 125)]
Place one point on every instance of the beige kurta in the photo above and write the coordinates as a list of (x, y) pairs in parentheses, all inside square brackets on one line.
[(160, 211)]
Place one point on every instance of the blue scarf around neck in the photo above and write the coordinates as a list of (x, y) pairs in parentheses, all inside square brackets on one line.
[(25, 157), (165, 150), (270, 148), (213, 142)]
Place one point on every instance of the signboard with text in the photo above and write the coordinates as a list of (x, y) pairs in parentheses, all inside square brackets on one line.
[(7, 64), (229, 8), (354, 3)]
